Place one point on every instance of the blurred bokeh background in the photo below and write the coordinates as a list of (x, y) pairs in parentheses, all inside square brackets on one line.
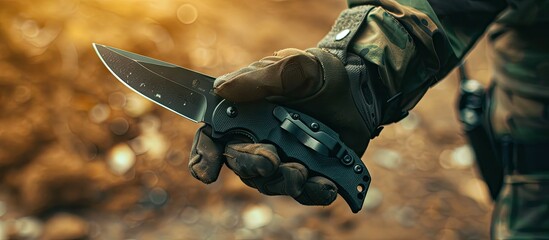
[(82, 157)]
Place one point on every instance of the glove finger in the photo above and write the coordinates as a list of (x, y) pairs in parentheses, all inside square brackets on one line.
[(206, 157), (317, 191), (288, 180), (291, 73), (252, 160)]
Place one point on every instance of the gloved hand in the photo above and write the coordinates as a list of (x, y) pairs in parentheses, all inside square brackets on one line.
[(314, 82)]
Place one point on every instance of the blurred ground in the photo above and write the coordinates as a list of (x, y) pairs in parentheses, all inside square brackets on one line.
[(82, 157)]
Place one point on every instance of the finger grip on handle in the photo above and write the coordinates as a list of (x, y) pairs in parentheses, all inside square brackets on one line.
[(303, 137)]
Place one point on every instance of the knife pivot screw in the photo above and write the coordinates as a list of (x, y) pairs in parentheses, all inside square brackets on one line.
[(358, 168), (315, 127), (232, 112), (347, 160), (295, 116)]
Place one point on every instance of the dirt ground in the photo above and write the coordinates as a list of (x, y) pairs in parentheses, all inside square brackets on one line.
[(82, 157)]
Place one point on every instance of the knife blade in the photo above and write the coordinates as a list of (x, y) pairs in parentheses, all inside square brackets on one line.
[(297, 136)]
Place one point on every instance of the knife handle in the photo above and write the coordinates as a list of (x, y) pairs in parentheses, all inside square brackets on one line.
[(298, 138)]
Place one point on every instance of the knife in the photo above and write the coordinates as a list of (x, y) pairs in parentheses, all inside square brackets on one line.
[(297, 136)]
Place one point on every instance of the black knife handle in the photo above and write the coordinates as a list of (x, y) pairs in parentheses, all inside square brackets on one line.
[(298, 138)]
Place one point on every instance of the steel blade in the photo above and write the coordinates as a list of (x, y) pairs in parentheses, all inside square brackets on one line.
[(183, 91)]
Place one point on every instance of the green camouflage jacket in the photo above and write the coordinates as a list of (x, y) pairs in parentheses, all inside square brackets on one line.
[(417, 43)]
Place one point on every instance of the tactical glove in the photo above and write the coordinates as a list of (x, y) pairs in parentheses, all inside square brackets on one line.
[(314, 82)]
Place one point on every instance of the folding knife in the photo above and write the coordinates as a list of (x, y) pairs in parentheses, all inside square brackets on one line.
[(298, 137)]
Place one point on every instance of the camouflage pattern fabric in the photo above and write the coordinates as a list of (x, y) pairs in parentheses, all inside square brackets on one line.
[(521, 210), (521, 64), (415, 44)]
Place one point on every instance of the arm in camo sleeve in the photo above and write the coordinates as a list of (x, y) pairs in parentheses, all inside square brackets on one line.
[(415, 44)]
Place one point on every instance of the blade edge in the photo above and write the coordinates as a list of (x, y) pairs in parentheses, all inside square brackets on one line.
[(119, 78)]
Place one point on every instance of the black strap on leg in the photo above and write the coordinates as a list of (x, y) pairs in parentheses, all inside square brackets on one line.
[(473, 108), (496, 156)]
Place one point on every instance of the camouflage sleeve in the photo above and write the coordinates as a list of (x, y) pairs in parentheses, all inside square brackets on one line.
[(416, 43)]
